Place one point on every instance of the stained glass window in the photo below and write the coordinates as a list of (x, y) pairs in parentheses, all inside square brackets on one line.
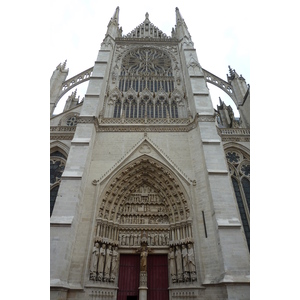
[(239, 167), (57, 166), (53, 195), (117, 110), (242, 210), (146, 65)]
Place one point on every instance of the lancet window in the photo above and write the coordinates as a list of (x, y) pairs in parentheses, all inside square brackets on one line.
[(57, 166), (239, 168)]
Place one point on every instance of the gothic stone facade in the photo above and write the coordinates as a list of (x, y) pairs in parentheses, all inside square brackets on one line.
[(145, 166)]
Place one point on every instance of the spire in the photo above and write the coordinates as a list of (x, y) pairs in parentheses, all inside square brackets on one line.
[(113, 25), (231, 73), (181, 28), (116, 15)]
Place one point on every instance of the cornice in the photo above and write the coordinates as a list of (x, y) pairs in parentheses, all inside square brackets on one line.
[(62, 132), (234, 134)]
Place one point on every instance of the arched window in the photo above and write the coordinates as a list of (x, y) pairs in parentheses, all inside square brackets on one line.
[(72, 121), (142, 109), (165, 109), (157, 109), (126, 108), (57, 166), (150, 109), (239, 168), (117, 110), (133, 112), (174, 109), (53, 195)]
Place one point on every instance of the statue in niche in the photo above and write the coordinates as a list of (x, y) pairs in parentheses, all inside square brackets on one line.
[(114, 264), (178, 263), (191, 259), (94, 261), (108, 263), (185, 263), (101, 262), (171, 257)]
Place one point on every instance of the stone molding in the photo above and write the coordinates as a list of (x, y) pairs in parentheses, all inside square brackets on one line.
[(234, 134)]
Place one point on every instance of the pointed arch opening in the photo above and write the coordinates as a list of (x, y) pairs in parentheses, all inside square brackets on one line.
[(144, 195), (144, 201)]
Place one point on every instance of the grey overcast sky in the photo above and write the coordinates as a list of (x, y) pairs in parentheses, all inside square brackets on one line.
[(219, 30)]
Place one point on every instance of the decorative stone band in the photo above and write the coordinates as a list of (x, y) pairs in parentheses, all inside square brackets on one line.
[(62, 132), (102, 294), (234, 134), (184, 295), (147, 39), (151, 125), (58, 137), (86, 120)]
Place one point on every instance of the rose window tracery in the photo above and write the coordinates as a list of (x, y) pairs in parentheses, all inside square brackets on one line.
[(145, 88)]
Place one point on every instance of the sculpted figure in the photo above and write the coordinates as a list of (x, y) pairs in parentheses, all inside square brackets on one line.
[(108, 262), (101, 262), (94, 261), (114, 263), (191, 259), (185, 263), (144, 254), (171, 257), (178, 263)]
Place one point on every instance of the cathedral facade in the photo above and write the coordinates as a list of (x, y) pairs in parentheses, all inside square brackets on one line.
[(149, 184)]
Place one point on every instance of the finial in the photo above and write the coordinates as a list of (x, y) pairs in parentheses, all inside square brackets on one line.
[(64, 64), (147, 15)]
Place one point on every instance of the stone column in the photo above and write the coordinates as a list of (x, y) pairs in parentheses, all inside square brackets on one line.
[(143, 286)]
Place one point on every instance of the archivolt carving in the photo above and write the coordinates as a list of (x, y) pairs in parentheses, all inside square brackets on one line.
[(144, 173)]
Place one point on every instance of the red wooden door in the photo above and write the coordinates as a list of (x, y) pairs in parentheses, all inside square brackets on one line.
[(129, 274), (157, 277)]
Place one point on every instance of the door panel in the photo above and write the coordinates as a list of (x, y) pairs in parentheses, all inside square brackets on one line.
[(157, 277), (129, 276)]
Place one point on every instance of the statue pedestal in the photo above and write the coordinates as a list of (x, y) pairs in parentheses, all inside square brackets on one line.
[(143, 293), (143, 286)]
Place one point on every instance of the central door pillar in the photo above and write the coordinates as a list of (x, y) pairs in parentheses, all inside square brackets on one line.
[(143, 267), (143, 286)]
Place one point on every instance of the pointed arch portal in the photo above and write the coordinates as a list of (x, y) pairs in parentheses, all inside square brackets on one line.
[(145, 195), (144, 203)]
